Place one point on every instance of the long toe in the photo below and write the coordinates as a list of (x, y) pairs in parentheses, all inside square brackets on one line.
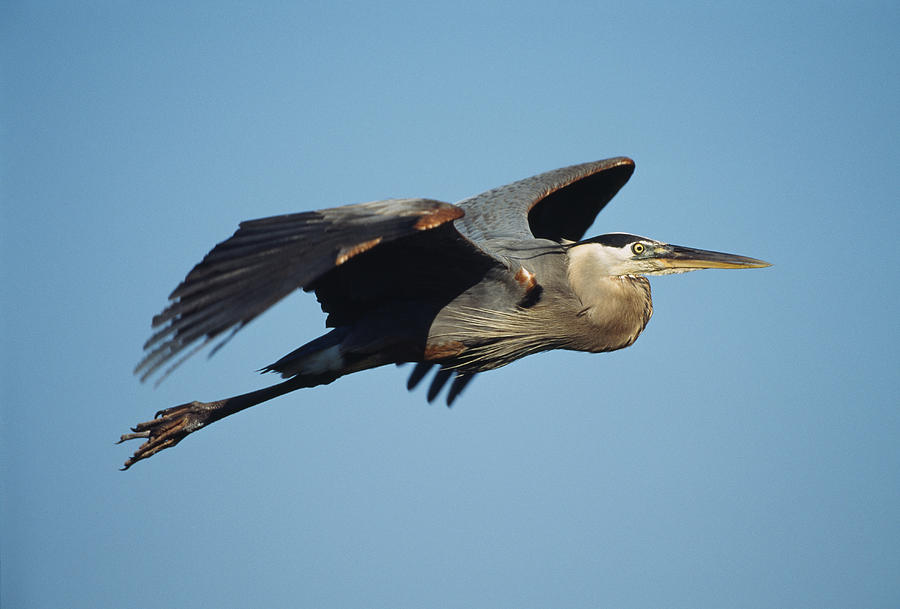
[(168, 428)]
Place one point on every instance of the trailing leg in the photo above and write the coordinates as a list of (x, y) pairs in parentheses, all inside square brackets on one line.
[(342, 351), (172, 425)]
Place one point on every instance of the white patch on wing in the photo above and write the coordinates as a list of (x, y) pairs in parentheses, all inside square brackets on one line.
[(327, 360)]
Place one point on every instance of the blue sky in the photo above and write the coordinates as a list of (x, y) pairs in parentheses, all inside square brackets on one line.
[(743, 453)]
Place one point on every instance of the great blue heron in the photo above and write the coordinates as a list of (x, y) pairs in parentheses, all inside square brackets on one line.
[(466, 287)]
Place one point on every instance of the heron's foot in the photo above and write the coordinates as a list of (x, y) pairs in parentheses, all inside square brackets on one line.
[(168, 428)]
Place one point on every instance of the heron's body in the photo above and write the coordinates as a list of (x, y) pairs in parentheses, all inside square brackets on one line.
[(548, 304), (467, 287)]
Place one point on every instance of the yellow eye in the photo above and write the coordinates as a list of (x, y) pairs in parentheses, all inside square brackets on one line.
[(638, 248)]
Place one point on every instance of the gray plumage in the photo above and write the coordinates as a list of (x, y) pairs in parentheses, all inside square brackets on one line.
[(467, 288)]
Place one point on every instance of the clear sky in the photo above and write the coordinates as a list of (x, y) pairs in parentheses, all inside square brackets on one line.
[(745, 452)]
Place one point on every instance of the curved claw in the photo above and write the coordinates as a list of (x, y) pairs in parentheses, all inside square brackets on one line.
[(168, 427)]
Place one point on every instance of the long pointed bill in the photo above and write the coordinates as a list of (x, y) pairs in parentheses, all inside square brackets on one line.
[(680, 259)]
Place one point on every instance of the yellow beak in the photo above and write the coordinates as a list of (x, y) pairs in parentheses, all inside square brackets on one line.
[(688, 258)]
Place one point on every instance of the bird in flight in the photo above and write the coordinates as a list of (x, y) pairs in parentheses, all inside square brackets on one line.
[(464, 287)]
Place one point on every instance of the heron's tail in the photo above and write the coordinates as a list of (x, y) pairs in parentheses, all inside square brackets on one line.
[(341, 351)]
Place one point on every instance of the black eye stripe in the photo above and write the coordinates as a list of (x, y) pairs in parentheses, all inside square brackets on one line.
[(614, 239)]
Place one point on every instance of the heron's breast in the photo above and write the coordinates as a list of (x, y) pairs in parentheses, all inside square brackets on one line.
[(617, 309)]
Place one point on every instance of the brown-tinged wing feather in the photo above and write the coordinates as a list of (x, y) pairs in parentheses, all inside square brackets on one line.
[(267, 259)]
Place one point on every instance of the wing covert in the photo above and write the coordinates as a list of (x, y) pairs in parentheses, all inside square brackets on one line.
[(555, 205)]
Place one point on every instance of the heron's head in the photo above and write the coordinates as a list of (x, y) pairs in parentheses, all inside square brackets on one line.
[(619, 254)]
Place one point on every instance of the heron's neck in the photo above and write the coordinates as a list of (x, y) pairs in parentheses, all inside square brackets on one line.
[(619, 307)]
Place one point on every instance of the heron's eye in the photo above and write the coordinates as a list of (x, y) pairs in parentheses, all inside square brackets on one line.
[(638, 248)]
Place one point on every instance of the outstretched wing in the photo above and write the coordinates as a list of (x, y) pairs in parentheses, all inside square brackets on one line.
[(267, 259), (558, 204)]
